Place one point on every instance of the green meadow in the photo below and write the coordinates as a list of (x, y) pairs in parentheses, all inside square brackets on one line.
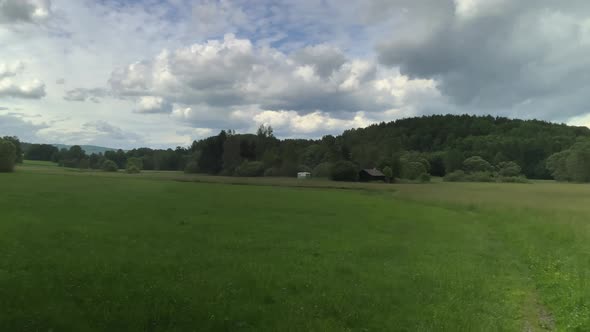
[(165, 251)]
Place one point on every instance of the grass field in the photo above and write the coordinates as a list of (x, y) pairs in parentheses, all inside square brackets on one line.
[(164, 251)]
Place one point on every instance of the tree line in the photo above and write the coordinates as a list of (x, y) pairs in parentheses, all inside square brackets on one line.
[(412, 148)]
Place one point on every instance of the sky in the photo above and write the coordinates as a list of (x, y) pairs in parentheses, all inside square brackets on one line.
[(162, 73)]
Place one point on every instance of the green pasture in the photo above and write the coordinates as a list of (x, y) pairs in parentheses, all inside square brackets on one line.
[(165, 251)]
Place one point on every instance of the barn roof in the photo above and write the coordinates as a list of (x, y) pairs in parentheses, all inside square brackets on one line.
[(373, 172)]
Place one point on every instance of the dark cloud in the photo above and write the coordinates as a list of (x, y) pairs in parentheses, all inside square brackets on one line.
[(14, 125), (13, 11), (498, 55)]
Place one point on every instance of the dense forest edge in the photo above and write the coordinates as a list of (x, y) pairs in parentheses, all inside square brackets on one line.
[(456, 147)]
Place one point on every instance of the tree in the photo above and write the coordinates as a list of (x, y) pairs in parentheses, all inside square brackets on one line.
[(211, 154), (322, 170), (509, 169), (476, 164), (413, 170), (43, 152), (388, 172), (231, 154), (109, 166), (556, 164), (453, 160), (192, 167), (578, 164), (17, 147), (250, 169), (84, 164), (137, 163), (7, 156), (344, 171)]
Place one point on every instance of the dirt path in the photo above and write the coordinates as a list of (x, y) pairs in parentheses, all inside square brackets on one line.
[(536, 316)]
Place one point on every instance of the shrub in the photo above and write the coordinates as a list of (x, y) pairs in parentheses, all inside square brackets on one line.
[(412, 170), (132, 169), (513, 179), (109, 166), (509, 169), (480, 177), (476, 164), (424, 177), (456, 176), (322, 170), (344, 171), (250, 169), (191, 167), (7, 156), (137, 162)]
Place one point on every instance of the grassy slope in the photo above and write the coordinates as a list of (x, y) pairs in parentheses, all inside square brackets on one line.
[(86, 251)]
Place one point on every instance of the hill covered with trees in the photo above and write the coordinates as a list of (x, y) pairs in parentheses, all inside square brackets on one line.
[(412, 148)]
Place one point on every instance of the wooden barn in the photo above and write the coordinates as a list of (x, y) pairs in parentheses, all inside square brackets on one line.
[(372, 174)]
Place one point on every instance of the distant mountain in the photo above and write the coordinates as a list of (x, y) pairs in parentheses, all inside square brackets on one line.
[(90, 149)]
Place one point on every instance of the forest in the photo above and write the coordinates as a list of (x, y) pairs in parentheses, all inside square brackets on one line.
[(458, 147)]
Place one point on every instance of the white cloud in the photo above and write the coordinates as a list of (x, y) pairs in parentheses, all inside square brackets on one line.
[(150, 105), (310, 67), (292, 124), (10, 69), (31, 90), (82, 94), (234, 73)]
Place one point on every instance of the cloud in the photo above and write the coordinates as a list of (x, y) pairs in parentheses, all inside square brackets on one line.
[(82, 94), (16, 125), (60, 81), (151, 105), (13, 11), (497, 56), (9, 70), (234, 73), (29, 90), (325, 59), (98, 132), (291, 124), (103, 128)]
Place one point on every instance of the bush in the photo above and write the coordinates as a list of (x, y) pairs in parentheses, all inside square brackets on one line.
[(412, 170), (344, 171), (132, 169), (456, 176), (250, 169), (424, 177), (322, 170), (509, 169), (480, 177), (272, 172), (109, 166), (192, 167), (476, 164), (513, 179), (7, 156), (137, 162)]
